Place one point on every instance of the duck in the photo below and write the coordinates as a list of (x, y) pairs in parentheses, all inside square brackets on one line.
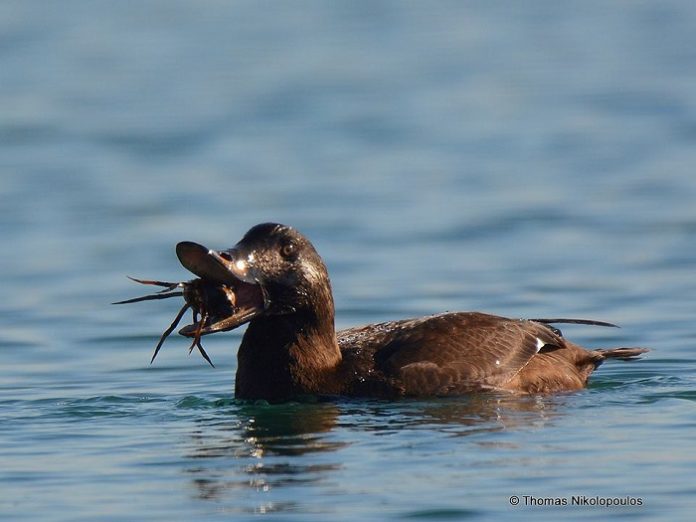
[(291, 348)]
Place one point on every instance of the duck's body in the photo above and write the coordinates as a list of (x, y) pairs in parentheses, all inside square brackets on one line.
[(291, 347), (462, 352), (446, 354)]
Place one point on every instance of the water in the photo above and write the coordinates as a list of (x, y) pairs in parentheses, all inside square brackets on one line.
[(528, 160)]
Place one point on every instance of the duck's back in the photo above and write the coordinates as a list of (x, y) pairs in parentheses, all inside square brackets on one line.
[(456, 353)]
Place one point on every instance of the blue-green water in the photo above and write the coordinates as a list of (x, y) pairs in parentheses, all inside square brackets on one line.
[(535, 159)]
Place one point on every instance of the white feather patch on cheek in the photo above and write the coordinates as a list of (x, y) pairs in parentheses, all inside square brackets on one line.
[(311, 272)]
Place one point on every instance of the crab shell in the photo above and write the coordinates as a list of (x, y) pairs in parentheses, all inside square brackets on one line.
[(217, 305)]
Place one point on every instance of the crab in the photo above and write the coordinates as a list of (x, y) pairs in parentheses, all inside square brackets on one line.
[(213, 306)]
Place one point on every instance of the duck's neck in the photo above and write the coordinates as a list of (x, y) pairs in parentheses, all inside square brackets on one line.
[(282, 356)]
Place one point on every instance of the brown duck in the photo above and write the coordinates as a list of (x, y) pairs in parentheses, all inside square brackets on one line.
[(291, 347)]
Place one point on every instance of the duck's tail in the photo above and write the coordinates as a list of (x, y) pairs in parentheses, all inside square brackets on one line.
[(625, 354), (597, 356)]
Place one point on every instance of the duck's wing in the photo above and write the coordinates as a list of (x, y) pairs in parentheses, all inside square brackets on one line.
[(451, 353)]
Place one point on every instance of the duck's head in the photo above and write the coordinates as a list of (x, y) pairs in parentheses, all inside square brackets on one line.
[(274, 270)]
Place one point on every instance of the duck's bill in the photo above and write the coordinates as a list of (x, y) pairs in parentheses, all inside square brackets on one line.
[(226, 302), (222, 325), (205, 263)]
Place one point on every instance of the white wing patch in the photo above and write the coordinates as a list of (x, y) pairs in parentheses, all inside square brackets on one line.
[(540, 344)]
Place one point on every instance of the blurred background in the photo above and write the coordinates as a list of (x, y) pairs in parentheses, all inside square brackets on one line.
[(526, 159), (434, 146)]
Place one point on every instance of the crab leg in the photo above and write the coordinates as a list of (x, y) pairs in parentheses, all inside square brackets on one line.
[(158, 295), (167, 285), (169, 330), (203, 352), (197, 337), (162, 294)]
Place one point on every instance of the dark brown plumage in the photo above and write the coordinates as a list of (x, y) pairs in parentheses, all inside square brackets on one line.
[(291, 347)]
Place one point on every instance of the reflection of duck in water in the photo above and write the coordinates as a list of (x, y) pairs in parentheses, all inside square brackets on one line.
[(261, 446), (291, 428), (291, 347)]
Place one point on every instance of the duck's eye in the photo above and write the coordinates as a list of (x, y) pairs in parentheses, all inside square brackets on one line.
[(288, 250)]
